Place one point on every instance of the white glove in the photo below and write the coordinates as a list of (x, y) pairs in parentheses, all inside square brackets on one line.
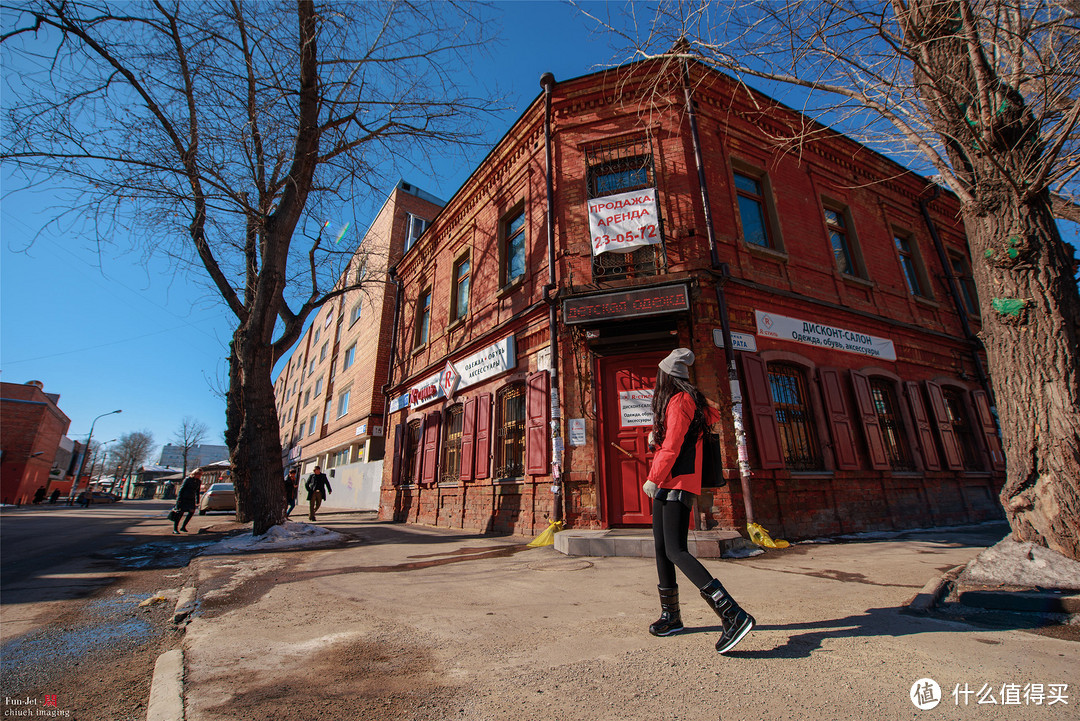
[(650, 489)]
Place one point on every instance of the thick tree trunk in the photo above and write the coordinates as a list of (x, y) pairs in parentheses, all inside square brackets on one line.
[(253, 432), (1031, 312)]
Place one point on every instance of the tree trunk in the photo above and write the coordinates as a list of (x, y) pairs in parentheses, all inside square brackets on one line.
[(1030, 311), (253, 433)]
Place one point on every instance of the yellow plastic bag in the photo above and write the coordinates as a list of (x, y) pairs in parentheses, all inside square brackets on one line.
[(547, 538), (762, 538)]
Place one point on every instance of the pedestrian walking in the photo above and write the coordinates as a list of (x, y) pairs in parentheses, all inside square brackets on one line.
[(54, 496), (680, 418), (187, 500), (292, 483), (39, 495), (318, 486)]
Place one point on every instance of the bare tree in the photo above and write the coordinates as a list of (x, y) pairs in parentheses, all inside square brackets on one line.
[(188, 436), (985, 95), (130, 452), (235, 136)]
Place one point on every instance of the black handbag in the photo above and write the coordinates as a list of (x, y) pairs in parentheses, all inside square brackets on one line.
[(174, 515), (712, 461)]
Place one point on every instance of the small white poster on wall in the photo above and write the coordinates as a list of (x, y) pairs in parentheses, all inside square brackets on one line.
[(635, 407), (577, 431)]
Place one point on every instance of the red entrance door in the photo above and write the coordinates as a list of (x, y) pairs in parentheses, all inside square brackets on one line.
[(626, 384)]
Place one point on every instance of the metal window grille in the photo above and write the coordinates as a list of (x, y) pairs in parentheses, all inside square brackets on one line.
[(793, 416), (510, 432), (965, 436), (452, 443), (620, 167), (889, 421)]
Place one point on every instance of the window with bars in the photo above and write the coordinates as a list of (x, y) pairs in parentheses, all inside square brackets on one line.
[(964, 281), (412, 450), (452, 428), (620, 167), (892, 431), (962, 428), (794, 418), (510, 431)]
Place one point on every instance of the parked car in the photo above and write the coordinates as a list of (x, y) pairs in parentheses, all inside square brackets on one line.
[(218, 497), (104, 497)]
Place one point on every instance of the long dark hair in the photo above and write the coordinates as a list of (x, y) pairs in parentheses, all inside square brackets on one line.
[(666, 388)]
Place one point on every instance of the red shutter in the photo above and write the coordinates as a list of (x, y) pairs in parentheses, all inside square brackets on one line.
[(839, 421), (468, 439), (398, 461), (864, 402), (762, 415), (954, 461), (922, 427), (537, 438), (482, 469), (418, 462), (432, 432), (989, 429)]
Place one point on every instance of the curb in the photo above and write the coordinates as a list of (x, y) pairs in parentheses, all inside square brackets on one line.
[(185, 604), (925, 600), (167, 688)]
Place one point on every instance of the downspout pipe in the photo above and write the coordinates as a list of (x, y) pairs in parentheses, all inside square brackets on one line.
[(547, 82), (393, 349), (954, 290), (721, 273)]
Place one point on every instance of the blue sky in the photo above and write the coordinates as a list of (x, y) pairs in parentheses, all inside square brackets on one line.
[(113, 331)]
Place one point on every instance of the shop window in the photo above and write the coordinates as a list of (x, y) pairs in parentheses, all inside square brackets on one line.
[(423, 319), (842, 241), (451, 465), (620, 167), (911, 265), (891, 425), (510, 431), (754, 210), (512, 231), (965, 283), (459, 296), (411, 456), (962, 428), (798, 439)]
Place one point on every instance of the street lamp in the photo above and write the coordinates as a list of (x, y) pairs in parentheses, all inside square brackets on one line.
[(82, 463)]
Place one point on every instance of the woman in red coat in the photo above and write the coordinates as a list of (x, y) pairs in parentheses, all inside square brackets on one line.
[(680, 417)]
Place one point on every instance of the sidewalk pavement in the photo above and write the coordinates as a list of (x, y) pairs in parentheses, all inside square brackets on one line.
[(409, 622)]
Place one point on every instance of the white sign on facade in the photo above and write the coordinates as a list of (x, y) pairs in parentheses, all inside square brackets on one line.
[(496, 359), (577, 431), (398, 403), (741, 341), (635, 407), (448, 381), (623, 221), (823, 335), (361, 429)]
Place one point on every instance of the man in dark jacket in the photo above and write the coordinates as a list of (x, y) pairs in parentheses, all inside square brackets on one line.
[(187, 499), (292, 482), (318, 485)]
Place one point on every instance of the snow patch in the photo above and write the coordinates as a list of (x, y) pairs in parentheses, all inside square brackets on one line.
[(290, 535)]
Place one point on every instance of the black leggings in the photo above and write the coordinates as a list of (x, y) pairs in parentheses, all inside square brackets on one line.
[(670, 527)]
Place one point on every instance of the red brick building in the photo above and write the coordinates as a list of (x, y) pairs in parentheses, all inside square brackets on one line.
[(329, 394), (32, 426), (535, 309)]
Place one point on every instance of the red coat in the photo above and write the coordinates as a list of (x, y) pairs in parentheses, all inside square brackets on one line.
[(677, 417)]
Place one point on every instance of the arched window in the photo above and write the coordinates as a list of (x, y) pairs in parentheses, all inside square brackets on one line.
[(794, 417), (452, 427), (510, 431)]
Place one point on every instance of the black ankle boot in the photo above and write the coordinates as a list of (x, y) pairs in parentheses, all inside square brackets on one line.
[(670, 622), (735, 621)]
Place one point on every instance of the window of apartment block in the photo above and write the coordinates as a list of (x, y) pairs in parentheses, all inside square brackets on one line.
[(311, 368), (307, 397), (423, 318), (414, 228), (301, 433), (459, 297), (842, 241), (343, 403), (315, 338), (350, 356), (512, 231), (798, 439), (911, 265), (883, 395), (964, 282), (614, 167), (325, 349), (318, 387), (411, 469), (754, 209), (313, 424), (452, 427), (326, 410), (510, 431), (357, 310), (962, 428)]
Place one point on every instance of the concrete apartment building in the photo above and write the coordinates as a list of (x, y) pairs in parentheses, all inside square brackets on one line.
[(200, 455), (329, 394), (33, 428), (591, 241)]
